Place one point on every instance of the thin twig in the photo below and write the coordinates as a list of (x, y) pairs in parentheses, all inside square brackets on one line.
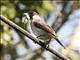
[(10, 23)]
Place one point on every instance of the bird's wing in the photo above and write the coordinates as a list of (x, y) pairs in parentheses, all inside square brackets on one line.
[(45, 27), (48, 29)]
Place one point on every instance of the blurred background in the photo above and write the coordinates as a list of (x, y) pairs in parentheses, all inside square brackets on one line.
[(62, 15)]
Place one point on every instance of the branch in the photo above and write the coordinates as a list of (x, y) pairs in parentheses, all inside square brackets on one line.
[(24, 32)]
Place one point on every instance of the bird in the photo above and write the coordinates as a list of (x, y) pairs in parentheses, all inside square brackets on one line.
[(41, 29)]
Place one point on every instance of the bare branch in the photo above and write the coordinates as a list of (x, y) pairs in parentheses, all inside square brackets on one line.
[(7, 21)]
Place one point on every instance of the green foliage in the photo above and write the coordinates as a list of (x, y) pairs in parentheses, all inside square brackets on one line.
[(7, 9)]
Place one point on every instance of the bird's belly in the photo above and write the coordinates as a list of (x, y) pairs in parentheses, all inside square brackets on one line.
[(41, 33)]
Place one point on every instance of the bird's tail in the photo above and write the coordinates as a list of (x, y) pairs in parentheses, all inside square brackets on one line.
[(59, 42)]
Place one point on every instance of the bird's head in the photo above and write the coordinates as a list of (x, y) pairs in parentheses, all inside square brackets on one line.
[(31, 15)]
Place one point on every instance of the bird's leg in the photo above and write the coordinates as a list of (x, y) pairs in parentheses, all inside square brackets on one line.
[(44, 43), (41, 41), (48, 43), (39, 36), (47, 46)]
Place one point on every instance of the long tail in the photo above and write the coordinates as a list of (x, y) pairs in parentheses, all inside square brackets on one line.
[(59, 42)]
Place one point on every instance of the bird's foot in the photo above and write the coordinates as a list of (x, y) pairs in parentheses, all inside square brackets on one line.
[(43, 44), (47, 46)]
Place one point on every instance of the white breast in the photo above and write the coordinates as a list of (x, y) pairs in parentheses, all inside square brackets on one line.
[(36, 17)]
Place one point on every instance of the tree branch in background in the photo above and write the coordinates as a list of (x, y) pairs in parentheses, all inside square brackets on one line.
[(7, 21), (64, 14)]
